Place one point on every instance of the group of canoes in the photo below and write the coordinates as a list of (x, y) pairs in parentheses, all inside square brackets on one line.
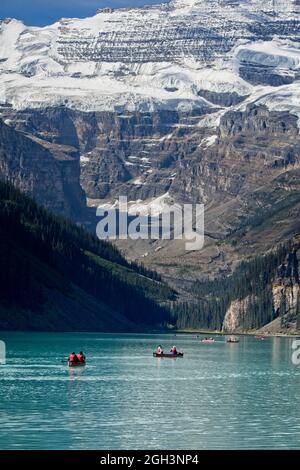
[(231, 339), (77, 360), (174, 353)]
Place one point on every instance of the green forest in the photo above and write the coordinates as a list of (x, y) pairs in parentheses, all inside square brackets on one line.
[(47, 260)]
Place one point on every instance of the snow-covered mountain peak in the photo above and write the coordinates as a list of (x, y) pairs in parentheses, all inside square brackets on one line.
[(173, 55)]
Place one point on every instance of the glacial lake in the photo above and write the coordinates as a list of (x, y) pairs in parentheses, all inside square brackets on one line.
[(218, 396)]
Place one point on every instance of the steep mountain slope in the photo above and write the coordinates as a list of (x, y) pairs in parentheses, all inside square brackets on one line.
[(49, 172), (56, 276)]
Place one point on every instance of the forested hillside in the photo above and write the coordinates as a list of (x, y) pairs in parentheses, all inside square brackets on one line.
[(55, 275), (258, 292)]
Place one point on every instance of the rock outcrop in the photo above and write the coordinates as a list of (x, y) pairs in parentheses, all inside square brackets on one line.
[(234, 320), (284, 292)]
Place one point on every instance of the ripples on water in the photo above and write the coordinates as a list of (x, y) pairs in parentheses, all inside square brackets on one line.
[(218, 396)]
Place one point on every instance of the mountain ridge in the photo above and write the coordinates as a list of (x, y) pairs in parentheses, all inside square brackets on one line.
[(216, 35)]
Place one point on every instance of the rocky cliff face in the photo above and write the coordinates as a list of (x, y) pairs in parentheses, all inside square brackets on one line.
[(235, 315), (49, 172), (284, 292), (143, 155)]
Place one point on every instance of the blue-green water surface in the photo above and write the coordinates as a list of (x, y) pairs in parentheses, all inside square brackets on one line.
[(219, 396)]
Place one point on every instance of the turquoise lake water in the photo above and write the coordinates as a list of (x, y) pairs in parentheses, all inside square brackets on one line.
[(219, 396)]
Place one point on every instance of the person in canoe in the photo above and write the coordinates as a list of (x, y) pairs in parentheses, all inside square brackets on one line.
[(174, 350), (73, 358), (159, 349), (81, 357)]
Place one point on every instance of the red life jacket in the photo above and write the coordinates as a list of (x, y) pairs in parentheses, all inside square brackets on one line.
[(71, 357), (80, 357)]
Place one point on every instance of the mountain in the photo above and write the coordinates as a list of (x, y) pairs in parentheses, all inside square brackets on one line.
[(56, 276), (178, 56), (189, 101)]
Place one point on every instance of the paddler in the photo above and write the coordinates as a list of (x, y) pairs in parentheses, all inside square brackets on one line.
[(73, 357), (81, 357)]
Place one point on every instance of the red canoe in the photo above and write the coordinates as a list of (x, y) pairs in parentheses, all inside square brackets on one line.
[(179, 354), (76, 364)]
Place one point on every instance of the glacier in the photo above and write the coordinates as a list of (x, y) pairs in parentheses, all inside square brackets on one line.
[(175, 56)]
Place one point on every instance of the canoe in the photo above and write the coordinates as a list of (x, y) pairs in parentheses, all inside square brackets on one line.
[(233, 341), (76, 364), (207, 341), (179, 354)]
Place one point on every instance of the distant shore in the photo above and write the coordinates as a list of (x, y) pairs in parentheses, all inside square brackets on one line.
[(238, 333)]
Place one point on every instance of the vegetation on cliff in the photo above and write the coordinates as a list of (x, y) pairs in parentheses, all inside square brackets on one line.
[(253, 280)]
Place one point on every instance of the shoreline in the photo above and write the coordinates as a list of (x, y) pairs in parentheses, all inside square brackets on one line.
[(172, 332), (244, 333)]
